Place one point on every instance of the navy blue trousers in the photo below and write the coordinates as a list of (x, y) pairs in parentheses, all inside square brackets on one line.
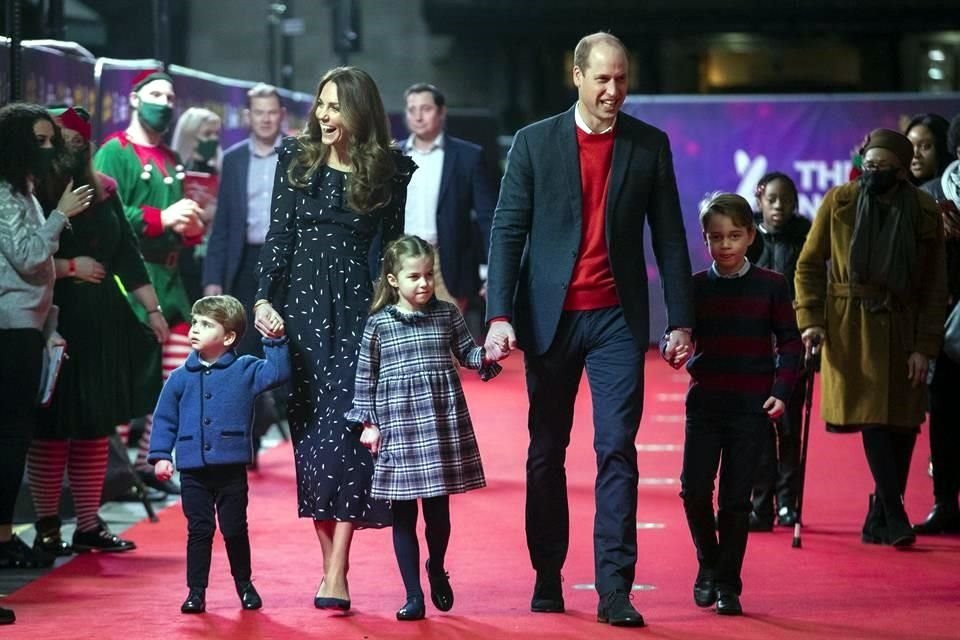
[(600, 342)]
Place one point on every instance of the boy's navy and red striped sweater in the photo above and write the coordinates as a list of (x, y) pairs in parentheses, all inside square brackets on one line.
[(748, 347)]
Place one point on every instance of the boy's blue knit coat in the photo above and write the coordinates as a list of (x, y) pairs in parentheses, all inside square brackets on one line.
[(207, 412)]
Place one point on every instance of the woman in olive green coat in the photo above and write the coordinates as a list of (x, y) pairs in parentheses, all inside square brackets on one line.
[(871, 285)]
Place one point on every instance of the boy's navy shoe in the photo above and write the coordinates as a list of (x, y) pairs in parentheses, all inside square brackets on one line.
[(615, 609), (547, 594), (728, 603), (249, 598), (196, 602), (413, 609)]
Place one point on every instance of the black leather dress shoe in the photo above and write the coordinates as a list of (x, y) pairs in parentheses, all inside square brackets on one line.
[(943, 518), (412, 609), (100, 539), (547, 594), (616, 609), (48, 538), (704, 592), (249, 598), (15, 554), (7, 616), (728, 604), (196, 602), (441, 593)]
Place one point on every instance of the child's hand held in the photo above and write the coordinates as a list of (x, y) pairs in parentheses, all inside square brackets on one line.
[(370, 437), (774, 407), (163, 470)]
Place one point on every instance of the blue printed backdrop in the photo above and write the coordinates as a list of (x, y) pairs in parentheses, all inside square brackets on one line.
[(728, 143)]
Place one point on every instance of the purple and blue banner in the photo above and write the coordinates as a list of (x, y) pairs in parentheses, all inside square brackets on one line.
[(728, 143)]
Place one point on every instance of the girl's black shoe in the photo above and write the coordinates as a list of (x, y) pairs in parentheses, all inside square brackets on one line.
[(441, 593), (413, 609)]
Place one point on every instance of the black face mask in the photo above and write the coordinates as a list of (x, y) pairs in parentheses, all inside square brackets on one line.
[(72, 164), (879, 181), (44, 162)]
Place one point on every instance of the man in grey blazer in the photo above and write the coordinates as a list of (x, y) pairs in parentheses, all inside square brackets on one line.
[(568, 284)]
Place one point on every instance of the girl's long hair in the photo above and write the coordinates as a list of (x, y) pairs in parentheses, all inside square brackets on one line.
[(19, 151), (368, 147), (397, 251)]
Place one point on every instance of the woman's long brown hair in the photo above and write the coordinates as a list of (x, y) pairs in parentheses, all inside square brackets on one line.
[(368, 147)]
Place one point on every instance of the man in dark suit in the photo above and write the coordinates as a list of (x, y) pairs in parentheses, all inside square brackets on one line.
[(567, 270), (450, 199), (243, 208)]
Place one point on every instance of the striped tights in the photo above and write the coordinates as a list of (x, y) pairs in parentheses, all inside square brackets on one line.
[(85, 462)]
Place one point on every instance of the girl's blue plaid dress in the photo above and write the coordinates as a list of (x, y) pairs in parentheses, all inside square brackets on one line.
[(407, 385)]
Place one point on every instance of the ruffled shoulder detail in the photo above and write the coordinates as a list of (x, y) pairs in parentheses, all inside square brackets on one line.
[(289, 146), (405, 167)]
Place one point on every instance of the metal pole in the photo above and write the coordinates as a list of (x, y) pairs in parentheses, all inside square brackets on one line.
[(161, 30), (14, 15), (55, 20), (286, 49), (273, 21)]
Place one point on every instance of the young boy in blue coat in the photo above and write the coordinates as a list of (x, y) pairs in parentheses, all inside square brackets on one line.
[(205, 410)]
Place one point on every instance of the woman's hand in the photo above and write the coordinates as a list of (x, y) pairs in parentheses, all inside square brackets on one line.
[(267, 321), (73, 201), (158, 324), (813, 339), (917, 365), (88, 270), (370, 437)]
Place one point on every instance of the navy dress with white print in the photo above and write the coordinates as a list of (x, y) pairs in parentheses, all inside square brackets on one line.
[(407, 385), (314, 269)]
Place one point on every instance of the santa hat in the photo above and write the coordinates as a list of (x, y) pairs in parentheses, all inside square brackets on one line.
[(149, 75), (75, 118)]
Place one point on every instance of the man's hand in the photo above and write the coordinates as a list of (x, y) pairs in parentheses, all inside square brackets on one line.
[(370, 437), (774, 407), (183, 216), (163, 470), (813, 339), (679, 348), (213, 290), (917, 365), (501, 340), (158, 324)]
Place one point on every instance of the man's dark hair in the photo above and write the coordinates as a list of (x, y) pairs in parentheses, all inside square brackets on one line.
[(423, 87)]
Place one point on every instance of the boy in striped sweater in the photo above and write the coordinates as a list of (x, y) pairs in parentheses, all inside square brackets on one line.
[(744, 365)]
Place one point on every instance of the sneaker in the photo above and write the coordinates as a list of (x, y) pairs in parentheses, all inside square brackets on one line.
[(15, 554)]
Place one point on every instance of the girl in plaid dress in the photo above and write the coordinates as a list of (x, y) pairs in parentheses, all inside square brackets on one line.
[(409, 399)]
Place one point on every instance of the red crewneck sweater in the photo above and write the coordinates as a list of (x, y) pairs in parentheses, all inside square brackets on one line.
[(592, 285)]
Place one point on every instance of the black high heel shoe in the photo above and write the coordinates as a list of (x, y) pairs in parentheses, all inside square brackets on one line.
[(324, 602), (441, 593), (413, 609)]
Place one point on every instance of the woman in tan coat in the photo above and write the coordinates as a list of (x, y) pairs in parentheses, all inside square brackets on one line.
[(871, 288)]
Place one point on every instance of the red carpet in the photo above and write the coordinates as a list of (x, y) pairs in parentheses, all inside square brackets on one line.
[(835, 587)]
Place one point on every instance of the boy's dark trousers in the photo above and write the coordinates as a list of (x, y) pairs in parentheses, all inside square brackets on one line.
[(778, 467), (721, 541), (220, 490)]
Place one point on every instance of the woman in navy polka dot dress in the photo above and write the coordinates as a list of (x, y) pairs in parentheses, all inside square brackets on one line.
[(338, 187)]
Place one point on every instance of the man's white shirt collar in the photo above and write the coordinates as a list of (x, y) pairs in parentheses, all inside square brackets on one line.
[(582, 124), (438, 143)]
